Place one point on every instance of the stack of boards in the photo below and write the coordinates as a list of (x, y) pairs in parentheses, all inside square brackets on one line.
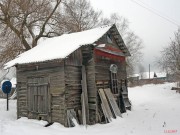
[(109, 105)]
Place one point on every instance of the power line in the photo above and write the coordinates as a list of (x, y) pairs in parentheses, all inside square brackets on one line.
[(162, 14), (152, 10)]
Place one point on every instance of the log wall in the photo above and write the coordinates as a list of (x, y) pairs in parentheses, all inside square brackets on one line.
[(54, 72), (64, 84), (73, 87), (103, 79)]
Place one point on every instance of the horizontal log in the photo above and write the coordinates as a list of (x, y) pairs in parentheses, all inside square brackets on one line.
[(92, 106), (175, 88)]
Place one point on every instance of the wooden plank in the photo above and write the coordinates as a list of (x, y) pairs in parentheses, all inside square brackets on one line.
[(175, 88), (105, 104), (36, 85), (105, 113), (70, 116), (84, 91), (83, 109), (124, 93), (92, 106), (127, 103), (112, 102)]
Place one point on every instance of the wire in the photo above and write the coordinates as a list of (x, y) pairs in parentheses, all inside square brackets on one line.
[(158, 11), (154, 11)]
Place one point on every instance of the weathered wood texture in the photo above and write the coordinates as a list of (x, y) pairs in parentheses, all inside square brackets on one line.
[(84, 97), (114, 39), (175, 88), (102, 68), (73, 86), (112, 102), (63, 83), (102, 72), (103, 78), (88, 60), (63, 88), (52, 75), (105, 105), (98, 76)]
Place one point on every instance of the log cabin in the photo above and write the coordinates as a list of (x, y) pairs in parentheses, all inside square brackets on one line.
[(52, 77)]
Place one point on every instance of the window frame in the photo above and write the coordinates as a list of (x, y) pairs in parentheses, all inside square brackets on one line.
[(114, 79)]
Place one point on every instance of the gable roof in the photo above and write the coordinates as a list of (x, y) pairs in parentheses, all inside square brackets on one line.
[(60, 47)]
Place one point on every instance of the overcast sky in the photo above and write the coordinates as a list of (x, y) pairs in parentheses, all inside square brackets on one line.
[(151, 28)]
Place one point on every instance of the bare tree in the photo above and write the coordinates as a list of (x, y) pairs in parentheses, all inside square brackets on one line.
[(170, 56), (121, 23), (134, 45), (132, 41), (24, 22), (141, 70), (78, 15), (10, 47), (34, 19)]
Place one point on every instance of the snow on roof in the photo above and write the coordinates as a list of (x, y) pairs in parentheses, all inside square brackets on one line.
[(59, 47), (162, 74), (145, 75), (134, 75)]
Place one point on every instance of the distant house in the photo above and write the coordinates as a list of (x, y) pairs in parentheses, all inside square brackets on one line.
[(146, 77), (133, 80), (62, 73), (153, 75)]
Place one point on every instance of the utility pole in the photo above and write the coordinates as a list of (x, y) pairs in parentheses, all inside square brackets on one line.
[(149, 70)]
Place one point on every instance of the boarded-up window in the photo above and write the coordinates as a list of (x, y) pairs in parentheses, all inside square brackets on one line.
[(38, 95)]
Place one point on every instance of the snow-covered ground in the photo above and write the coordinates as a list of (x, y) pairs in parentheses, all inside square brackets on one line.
[(156, 111)]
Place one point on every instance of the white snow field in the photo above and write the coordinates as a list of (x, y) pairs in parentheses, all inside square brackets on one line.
[(156, 111)]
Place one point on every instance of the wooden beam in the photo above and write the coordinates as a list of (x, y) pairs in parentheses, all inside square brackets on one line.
[(85, 96), (83, 109), (175, 88)]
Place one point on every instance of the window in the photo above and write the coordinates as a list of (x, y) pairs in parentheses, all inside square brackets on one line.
[(37, 95), (114, 80)]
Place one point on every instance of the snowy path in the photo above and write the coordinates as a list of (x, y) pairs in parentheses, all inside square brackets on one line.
[(156, 110)]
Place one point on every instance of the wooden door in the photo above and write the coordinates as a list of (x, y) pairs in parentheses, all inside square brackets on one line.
[(38, 95)]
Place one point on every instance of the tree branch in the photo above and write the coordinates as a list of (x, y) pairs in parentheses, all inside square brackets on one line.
[(46, 21)]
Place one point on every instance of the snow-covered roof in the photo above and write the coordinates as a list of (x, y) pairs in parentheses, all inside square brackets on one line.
[(134, 75), (145, 75), (59, 47), (162, 74)]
